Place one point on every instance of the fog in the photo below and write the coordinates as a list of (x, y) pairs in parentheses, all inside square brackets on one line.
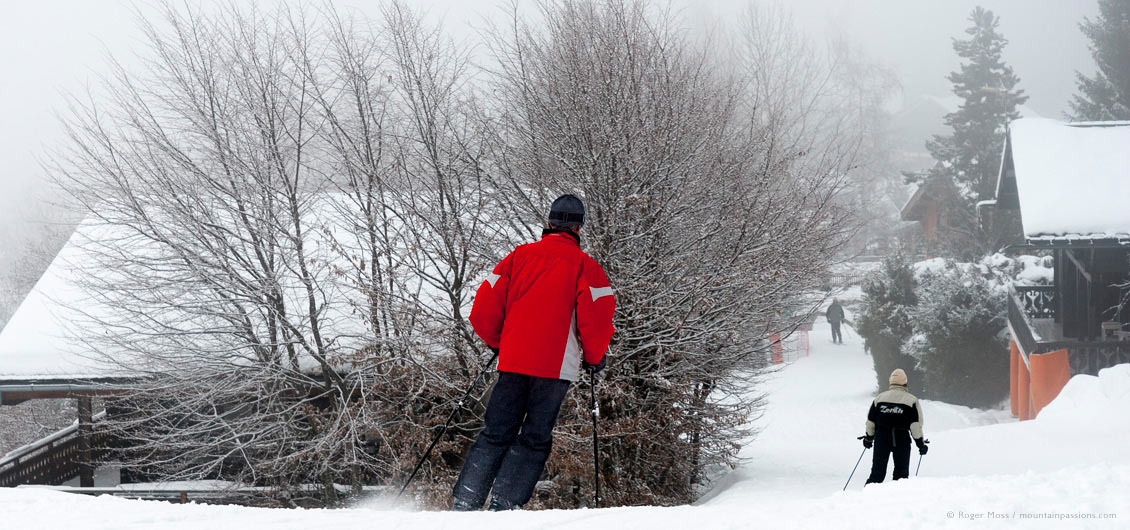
[(52, 47)]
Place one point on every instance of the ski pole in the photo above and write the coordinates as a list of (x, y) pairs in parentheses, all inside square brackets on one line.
[(458, 405), (854, 468), (595, 444), (920, 460)]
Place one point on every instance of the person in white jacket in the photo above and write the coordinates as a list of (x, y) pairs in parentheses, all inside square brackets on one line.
[(893, 419)]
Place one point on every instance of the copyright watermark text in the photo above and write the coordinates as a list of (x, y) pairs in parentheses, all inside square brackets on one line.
[(1018, 515)]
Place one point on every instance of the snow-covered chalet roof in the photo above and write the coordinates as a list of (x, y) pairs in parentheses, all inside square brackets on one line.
[(1072, 179), (34, 343), (57, 334)]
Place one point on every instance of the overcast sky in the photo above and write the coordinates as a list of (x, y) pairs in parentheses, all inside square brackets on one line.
[(48, 47)]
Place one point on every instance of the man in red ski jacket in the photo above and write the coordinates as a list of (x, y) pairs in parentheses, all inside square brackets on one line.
[(547, 309)]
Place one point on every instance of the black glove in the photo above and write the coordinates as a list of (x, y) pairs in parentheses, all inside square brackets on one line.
[(594, 368), (868, 441), (922, 447)]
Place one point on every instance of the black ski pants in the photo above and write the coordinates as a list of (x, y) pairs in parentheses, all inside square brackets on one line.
[(510, 453), (890, 442), (836, 336)]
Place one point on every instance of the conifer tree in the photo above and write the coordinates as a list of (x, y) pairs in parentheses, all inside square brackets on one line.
[(1106, 95), (884, 319), (970, 154)]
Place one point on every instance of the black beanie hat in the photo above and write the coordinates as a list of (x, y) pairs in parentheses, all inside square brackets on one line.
[(567, 211)]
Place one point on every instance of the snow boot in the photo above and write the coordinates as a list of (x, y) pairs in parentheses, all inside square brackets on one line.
[(461, 505), (498, 504)]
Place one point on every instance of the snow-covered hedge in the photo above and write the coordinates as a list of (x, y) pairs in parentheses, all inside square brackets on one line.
[(957, 341), (997, 268), (948, 319)]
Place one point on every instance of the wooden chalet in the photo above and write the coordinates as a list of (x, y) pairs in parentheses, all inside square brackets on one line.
[(927, 207), (38, 362), (1070, 185), (55, 347)]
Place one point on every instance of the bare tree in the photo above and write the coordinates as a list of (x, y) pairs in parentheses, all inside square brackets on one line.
[(409, 135), (829, 102), (288, 212), (206, 200), (710, 200), (32, 420), (286, 217)]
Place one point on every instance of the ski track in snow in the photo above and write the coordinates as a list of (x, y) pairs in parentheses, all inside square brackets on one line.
[(817, 407), (1072, 459)]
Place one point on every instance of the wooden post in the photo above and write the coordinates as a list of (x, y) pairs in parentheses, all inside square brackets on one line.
[(1015, 364), (86, 470), (776, 349)]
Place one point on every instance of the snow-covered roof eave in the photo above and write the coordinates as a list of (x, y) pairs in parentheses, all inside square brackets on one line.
[(1112, 123), (1096, 239)]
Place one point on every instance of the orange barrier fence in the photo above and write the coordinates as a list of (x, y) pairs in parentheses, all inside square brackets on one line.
[(1034, 384), (1050, 372), (784, 350)]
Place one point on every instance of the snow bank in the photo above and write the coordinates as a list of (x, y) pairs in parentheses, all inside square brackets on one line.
[(1017, 500), (1088, 398), (1072, 179)]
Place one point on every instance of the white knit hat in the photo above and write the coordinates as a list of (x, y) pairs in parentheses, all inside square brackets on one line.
[(898, 377)]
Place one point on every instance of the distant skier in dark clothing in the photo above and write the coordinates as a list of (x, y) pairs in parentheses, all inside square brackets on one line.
[(547, 309), (835, 316), (893, 419)]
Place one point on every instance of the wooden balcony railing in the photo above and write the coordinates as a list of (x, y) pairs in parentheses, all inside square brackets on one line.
[(1085, 357), (1020, 323), (1038, 301), (1090, 357), (51, 460)]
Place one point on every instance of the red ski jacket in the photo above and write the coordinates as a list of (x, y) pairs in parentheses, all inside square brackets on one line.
[(544, 306)]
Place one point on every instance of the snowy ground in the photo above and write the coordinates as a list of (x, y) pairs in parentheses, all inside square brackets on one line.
[(817, 407), (983, 468)]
